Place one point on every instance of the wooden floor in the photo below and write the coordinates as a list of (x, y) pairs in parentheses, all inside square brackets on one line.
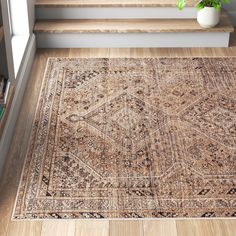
[(17, 152)]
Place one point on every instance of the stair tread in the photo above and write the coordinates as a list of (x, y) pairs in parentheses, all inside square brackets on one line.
[(129, 26), (110, 3)]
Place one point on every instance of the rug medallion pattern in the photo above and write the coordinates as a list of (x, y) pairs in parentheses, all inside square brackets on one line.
[(132, 138)]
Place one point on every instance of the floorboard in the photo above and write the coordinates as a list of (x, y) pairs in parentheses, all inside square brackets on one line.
[(159, 227), (59, 228), (126, 228), (206, 227), (92, 228)]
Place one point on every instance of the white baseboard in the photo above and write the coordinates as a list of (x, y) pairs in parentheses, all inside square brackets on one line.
[(116, 13), (133, 40), (22, 78)]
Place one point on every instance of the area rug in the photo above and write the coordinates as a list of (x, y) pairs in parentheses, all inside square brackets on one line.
[(132, 138)]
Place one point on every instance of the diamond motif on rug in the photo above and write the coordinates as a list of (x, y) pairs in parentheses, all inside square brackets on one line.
[(214, 115), (132, 138), (126, 120)]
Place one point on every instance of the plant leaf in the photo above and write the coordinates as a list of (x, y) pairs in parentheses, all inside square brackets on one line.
[(181, 4)]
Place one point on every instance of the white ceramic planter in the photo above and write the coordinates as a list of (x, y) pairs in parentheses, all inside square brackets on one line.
[(208, 17)]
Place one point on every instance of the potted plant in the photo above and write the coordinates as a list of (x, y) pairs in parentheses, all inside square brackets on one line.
[(208, 11)]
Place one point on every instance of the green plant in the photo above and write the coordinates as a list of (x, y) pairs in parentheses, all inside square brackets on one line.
[(204, 3)]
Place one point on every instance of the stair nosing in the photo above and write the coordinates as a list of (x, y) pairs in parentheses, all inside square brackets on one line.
[(77, 4)]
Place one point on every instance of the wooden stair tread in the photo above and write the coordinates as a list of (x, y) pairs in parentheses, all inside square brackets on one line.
[(128, 26), (109, 3)]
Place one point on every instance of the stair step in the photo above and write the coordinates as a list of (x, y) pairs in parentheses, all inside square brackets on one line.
[(115, 13), (113, 9), (106, 3), (89, 33), (129, 26)]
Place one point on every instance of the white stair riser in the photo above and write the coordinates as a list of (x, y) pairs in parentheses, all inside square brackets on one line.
[(116, 13), (132, 40)]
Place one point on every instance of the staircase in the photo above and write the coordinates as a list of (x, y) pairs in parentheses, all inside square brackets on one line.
[(124, 23)]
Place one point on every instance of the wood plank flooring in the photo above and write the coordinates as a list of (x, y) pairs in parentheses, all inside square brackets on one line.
[(14, 163)]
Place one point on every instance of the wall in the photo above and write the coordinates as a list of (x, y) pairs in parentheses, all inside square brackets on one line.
[(231, 8), (31, 13)]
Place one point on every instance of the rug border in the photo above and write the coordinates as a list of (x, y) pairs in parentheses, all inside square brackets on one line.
[(127, 219), (29, 140)]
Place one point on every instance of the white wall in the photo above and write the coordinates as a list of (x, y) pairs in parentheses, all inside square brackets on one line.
[(31, 14), (231, 8)]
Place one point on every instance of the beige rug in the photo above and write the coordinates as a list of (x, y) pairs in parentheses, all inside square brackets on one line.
[(132, 138)]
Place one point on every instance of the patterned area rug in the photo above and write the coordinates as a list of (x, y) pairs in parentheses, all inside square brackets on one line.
[(132, 138)]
